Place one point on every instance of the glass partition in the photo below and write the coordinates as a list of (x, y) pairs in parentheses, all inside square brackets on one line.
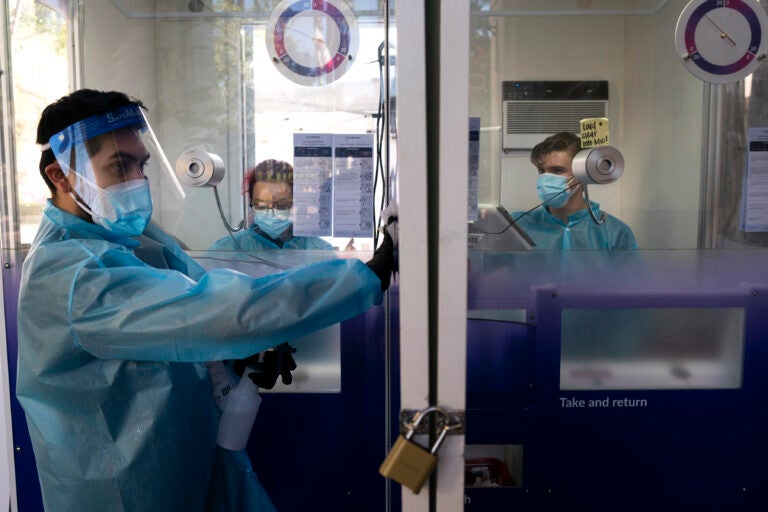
[(691, 150), (690, 187), (672, 348), (231, 87), (39, 34), (218, 87), (228, 85), (655, 107), (579, 342)]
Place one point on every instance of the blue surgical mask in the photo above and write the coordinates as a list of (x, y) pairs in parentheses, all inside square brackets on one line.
[(124, 208), (553, 189), (272, 222)]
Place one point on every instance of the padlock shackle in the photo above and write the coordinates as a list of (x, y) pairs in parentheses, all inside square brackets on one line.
[(420, 415), (440, 438)]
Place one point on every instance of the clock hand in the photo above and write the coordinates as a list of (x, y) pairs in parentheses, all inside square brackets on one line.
[(723, 34), (309, 36)]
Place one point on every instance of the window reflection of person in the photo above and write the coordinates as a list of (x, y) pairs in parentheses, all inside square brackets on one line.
[(270, 188), (563, 221)]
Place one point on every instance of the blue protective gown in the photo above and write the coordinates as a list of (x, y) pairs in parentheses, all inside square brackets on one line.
[(579, 233), (119, 411), (250, 240)]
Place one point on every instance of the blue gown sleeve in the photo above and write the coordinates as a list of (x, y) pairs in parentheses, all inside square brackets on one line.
[(120, 308)]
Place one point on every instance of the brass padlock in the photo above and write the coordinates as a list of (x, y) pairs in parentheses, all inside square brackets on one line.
[(409, 463)]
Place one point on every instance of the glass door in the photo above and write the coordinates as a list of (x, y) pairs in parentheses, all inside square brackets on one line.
[(598, 324), (37, 67), (229, 85)]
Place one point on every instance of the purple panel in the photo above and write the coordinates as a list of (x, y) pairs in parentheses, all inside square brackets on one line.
[(28, 493), (699, 449)]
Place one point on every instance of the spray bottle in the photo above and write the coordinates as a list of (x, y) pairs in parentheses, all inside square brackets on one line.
[(239, 414)]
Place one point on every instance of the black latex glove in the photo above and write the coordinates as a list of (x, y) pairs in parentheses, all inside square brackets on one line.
[(268, 365), (383, 261)]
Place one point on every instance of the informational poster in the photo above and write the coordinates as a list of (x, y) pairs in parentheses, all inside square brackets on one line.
[(353, 185), (755, 196), (333, 185), (474, 167), (312, 184)]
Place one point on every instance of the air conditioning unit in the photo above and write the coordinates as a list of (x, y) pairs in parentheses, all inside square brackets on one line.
[(534, 110)]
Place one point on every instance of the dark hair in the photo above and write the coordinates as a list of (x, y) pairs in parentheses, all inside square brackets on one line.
[(276, 171), (562, 141), (70, 109)]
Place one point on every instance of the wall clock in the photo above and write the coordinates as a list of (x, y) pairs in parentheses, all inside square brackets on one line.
[(312, 42), (722, 41)]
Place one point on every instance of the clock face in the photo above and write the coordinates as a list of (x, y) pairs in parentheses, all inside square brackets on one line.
[(722, 41), (312, 42)]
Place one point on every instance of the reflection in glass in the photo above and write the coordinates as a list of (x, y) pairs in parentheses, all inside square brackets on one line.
[(40, 75), (493, 465), (647, 348), (618, 42)]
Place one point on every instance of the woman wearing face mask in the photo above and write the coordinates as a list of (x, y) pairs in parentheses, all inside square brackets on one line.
[(563, 220), (270, 188)]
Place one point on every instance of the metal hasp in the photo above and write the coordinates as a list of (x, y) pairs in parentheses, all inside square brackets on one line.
[(410, 421)]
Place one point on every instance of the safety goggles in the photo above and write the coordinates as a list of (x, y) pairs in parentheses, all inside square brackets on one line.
[(280, 205)]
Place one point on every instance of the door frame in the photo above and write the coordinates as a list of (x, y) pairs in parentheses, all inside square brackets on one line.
[(433, 110)]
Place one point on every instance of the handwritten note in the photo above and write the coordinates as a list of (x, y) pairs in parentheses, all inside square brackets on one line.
[(594, 132)]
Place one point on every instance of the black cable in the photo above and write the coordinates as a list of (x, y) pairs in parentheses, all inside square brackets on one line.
[(591, 212), (516, 322), (380, 129), (231, 229), (514, 221)]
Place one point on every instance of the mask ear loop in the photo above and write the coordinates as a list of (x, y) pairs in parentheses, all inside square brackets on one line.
[(73, 194), (76, 198), (591, 212)]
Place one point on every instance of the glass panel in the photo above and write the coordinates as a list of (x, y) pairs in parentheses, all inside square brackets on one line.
[(39, 37), (561, 305), (687, 147), (652, 348), (547, 45), (224, 99), (318, 360), (221, 100), (220, 103)]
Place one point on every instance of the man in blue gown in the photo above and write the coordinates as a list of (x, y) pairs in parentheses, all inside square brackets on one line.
[(563, 220), (110, 373)]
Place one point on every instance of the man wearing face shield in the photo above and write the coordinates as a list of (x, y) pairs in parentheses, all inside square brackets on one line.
[(563, 220), (118, 406), (269, 186)]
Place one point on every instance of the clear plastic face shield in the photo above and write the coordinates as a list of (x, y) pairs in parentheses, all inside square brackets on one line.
[(115, 165)]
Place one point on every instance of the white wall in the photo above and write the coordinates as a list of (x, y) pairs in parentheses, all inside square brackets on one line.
[(119, 53), (655, 110), (172, 67)]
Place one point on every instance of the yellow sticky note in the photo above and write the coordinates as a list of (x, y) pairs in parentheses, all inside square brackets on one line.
[(594, 132)]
